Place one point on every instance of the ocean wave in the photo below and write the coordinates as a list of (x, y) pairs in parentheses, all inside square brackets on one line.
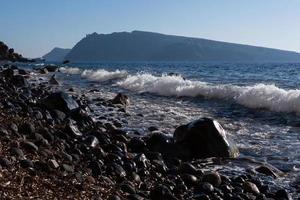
[(70, 70), (103, 75), (257, 96)]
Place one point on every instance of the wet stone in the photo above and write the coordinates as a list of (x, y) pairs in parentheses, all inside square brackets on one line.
[(60, 101), (53, 164), (117, 170), (17, 152), (153, 128), (4, 162), (121, 99), (13, 127), (128, 187), (114, 197), (135, 197), (68, 168), (266, 170), (205, 138), (73, 130), (282, 194), (91, 141), (202, 197), (27, 129), (189, 169), (3, 131), (189, 180), (136, 145), (161, 192), (95, 166), (251, 188), (26, 163), (19, 81), (42, 166), (213, 177), (29, 146), (53, 80)]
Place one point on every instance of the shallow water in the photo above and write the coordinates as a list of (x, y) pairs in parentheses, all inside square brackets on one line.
[(258, 104)]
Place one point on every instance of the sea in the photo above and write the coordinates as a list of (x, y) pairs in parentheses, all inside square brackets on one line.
[(258, 104)]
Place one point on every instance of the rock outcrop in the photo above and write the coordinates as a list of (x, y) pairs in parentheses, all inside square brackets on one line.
[(205, 138)]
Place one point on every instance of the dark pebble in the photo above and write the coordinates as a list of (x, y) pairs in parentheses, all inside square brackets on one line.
[(4, 162), (29, 146), (251, 188), (17, 152), (26, 163), (128, 187), (282, 194), (212, 178)]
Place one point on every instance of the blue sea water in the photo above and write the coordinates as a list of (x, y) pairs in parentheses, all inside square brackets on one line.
[(258, 104)]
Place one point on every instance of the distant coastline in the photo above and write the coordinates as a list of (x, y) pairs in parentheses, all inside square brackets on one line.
[(155, 47)]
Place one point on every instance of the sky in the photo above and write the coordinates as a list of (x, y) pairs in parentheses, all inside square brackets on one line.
[(34, 27)]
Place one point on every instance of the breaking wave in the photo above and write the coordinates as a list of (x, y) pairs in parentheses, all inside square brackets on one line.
[(70, 70), (103, 75), (257, 96)]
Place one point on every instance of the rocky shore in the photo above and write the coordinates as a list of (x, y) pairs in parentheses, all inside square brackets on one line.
[(51, 147)]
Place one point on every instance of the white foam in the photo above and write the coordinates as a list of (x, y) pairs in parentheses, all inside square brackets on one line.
[(257, 96), (70, 70), (103, 75)]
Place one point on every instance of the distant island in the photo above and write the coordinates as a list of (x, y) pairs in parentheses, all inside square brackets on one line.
[(56, 55), (149, 46)]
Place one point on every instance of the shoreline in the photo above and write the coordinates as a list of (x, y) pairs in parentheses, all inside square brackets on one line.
[(67, 154)]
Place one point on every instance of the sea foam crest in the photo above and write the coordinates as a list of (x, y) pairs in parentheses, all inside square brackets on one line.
[(257, 96), (103, 75), (70, 70)]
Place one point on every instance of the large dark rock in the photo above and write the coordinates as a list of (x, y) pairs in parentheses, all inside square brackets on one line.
[(19, 81), (121, 99), (53, 80), (60, 101), (205, 138), (51, 68), (8, 73)]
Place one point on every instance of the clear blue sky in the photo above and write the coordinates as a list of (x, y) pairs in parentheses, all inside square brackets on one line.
[(34, 27)]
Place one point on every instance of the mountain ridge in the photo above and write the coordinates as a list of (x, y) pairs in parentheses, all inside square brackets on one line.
[(151, 46), (57, 54)]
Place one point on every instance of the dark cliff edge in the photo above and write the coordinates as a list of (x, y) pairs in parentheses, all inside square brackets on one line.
[(9, 54)]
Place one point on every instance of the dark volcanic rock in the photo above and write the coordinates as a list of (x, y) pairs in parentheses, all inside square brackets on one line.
[(22, 72), (161, 192), (3, 131), (27, 129), (17, 152), (282, 194), (19, 81), (60, 101), (26, 163), (53, 80), (250, 187), (8, 73), (205, 138), (157, 142), (264, 169), (121, 99), (51, 68), (91, 141), (43, 71), (4, 162), (213, 178), (29, 146), (72, 129)]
